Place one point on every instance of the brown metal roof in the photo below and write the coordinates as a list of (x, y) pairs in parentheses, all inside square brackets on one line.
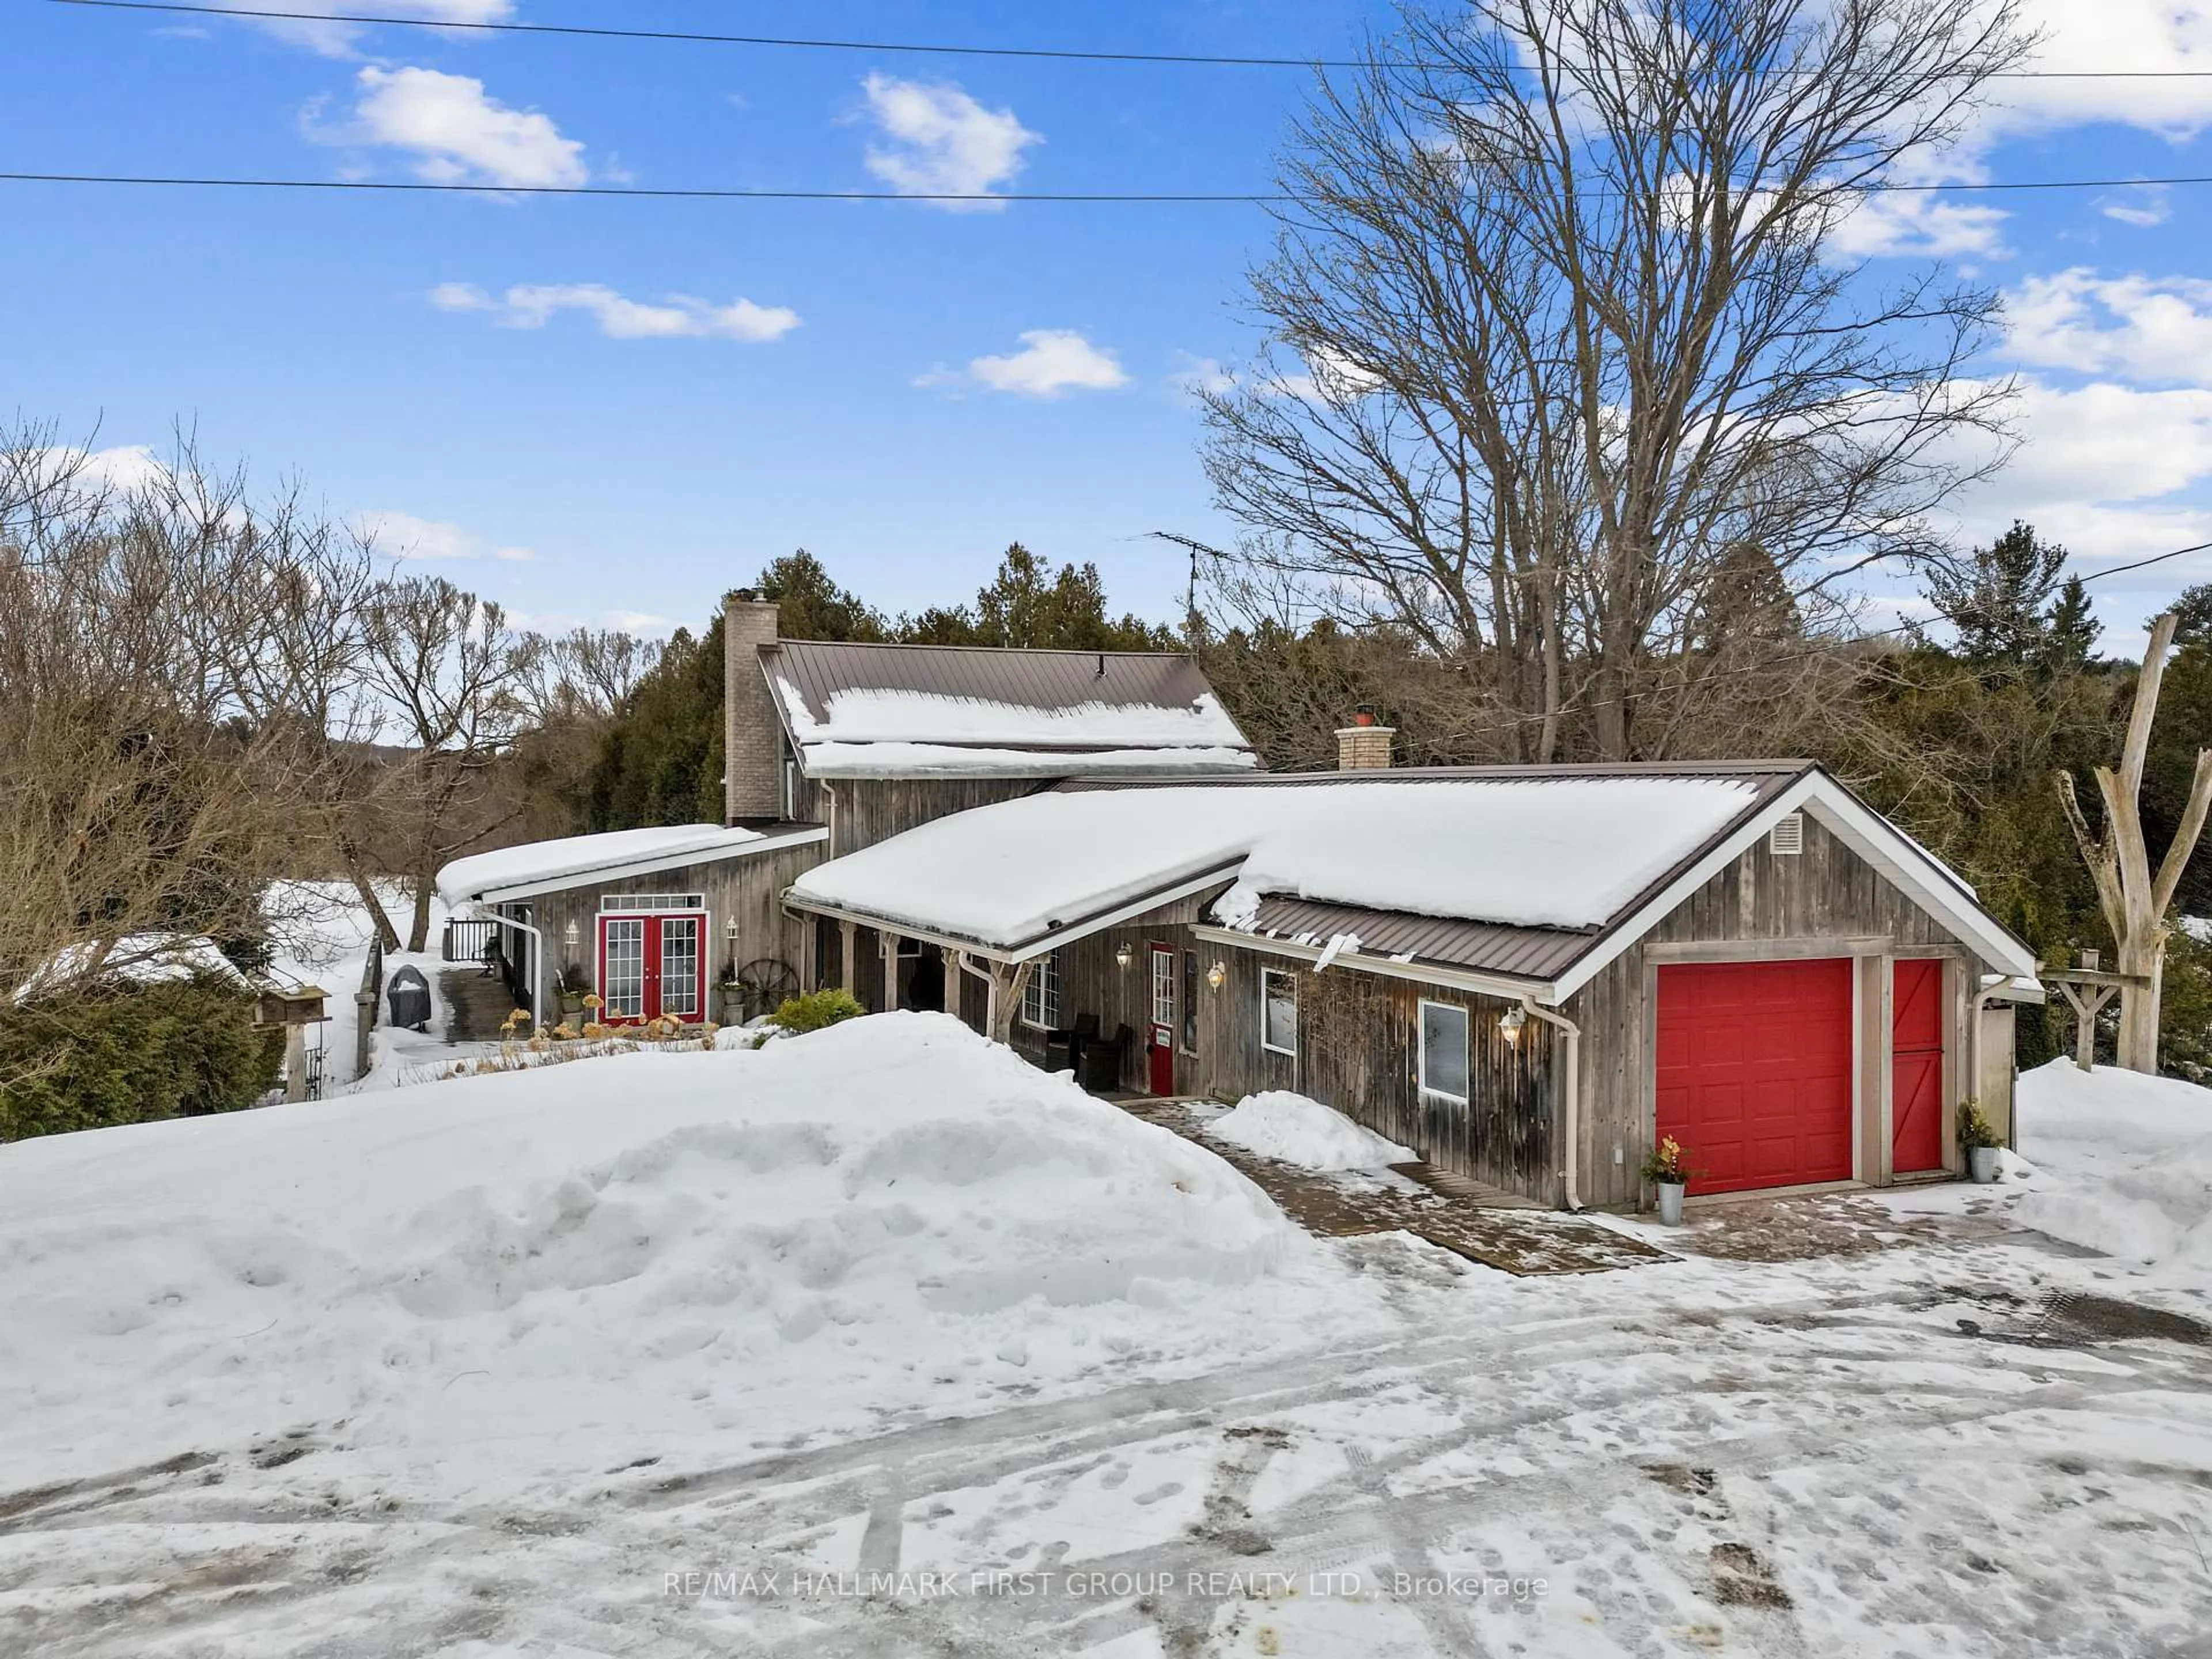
[(1532, 953), (1035, 679)]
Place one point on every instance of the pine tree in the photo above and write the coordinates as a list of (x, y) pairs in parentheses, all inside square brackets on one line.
[(811, 606), (1999, 599), (2071, 630)]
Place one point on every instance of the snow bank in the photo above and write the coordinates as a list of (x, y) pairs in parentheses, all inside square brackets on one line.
[(507, 1272), (550, 860), (1560, 852), (2126, 1161), (1282, 1125)]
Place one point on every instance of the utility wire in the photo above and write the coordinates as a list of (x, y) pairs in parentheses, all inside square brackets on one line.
[(692, 37), (711, 194)]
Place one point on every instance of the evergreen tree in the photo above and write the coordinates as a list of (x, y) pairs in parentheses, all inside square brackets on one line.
[(1999, 599), (2071, 630), (660, 758), (1027, 606), (811, 606)]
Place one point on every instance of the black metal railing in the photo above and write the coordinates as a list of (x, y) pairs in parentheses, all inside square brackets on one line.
[(471, 940)]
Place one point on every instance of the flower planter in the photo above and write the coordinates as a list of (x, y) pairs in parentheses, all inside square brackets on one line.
[(1982, 1163), (572, 1008), (1670, 1202), (732, 1004)]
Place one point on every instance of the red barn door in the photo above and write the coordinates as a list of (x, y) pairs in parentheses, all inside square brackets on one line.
[(1915, 1080)]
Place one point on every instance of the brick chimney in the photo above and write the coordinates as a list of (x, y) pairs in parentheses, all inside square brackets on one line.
[(1364, 746), (752, 735)]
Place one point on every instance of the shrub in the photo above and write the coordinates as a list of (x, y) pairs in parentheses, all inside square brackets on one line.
[(818, 1009), (132, 1053), (1974, 1127)]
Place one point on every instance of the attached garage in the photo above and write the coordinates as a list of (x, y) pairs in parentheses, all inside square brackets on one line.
[(1753, 1072)]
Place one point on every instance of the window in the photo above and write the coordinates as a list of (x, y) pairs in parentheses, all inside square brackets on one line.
[(1164, 991), (1041, 996), (634, 902), (1279, 1012), (1443, 1050), (1190, 1002)]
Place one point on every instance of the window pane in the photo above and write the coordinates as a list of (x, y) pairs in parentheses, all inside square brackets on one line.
[(1280, 1012), (1443, 1049), (625, 991), (679, 967)]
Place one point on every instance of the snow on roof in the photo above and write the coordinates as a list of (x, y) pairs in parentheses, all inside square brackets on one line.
[(909, 760), (136, 959), (544, 864), (1532, 852), (881, 714)]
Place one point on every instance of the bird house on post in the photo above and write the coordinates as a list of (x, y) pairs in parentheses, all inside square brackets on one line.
[(291, 1009)]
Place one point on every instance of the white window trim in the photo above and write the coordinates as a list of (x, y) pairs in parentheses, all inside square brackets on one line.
[(1467, 1056), (1266, 973), (652, 904), (705, 1008), (1035, 983)]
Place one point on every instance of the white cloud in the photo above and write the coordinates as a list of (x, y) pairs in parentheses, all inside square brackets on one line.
[(679, 317), (1195, 374), (2140, 328), (403, 536), (1051, 360), (339, 38), (456, 132), (2142, 206), (2110, 35), (1918, 224), (941, 141)]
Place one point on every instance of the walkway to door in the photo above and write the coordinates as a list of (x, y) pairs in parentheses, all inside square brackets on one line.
[(1480, 1223)]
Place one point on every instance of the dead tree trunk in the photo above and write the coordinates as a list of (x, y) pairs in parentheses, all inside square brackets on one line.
[(2135, 902)]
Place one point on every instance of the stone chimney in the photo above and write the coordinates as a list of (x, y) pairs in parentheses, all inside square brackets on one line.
[(752, 735), (1364, 746)]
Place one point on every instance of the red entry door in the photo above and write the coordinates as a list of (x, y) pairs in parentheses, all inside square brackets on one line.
[(1159, 1042), (1916, 1083), (652, 966), (1755, 1072)]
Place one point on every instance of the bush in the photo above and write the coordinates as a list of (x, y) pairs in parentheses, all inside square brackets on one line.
[(132, 1053), (818, 1009)]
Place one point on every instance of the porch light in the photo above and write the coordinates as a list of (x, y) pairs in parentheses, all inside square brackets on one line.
[(1123, 955), (1510, 1027), (572, 934), (1218, 975)]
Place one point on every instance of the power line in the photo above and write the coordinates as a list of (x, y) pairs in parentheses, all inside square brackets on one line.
[(692, 37), (417, 186)]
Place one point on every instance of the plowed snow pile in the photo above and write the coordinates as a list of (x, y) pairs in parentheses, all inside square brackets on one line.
[(2131, 1157), (514, 1276), (1291, 1128)]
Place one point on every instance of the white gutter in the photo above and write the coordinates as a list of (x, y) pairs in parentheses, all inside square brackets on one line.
[(1573, 1087)]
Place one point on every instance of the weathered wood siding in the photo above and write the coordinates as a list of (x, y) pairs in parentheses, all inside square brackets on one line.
[(861, 811), (1823, 901), (1359, 1052), (750, 889)]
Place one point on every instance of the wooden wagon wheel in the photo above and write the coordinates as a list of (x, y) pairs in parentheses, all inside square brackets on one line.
[(765, 985)]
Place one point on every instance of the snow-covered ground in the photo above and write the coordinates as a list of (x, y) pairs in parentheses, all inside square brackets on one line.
[(878, 1341), (1297, 1130)]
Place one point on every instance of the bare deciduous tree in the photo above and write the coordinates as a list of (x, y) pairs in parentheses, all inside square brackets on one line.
[(2134, 898), (1577, 353), (452, 671)]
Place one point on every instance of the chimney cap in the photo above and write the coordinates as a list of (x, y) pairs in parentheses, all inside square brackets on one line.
[(1363, 715), (746, 595)]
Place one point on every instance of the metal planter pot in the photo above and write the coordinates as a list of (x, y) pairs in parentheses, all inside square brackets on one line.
[(1670, 1202), (1982, 1164)]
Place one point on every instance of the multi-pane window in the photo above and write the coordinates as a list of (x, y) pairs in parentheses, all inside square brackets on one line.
[(1443, 1050), (624, 973), (1041, 996), (1279, 1012), (679, 967), (633, 901)]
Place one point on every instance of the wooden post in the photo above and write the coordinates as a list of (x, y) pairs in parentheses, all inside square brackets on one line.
[(953, 974), (887, 947), (296, 1062), (847, 961)]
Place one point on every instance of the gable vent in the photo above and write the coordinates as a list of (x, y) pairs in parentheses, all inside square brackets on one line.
[(1787, 838)]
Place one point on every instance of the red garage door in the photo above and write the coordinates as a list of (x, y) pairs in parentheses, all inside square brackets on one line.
[(1755, 1072)]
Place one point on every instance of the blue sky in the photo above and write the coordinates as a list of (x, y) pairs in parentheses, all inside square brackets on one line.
[(595, 410)]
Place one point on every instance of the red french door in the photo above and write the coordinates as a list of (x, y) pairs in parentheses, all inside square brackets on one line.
[(1916, 1063), (651, 967), (1160, 1030)]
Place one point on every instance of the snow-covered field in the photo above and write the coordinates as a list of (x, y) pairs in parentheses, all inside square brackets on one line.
[(878, 1341)]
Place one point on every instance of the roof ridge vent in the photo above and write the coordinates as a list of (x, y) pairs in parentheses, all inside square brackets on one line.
[(1787, 838)]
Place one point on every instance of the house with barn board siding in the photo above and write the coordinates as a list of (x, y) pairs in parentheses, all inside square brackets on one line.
[(1528, 974), (828, 749)]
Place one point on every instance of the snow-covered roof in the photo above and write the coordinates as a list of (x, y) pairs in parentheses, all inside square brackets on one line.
[(888, 711), (545, 866), (136, 959), (1547, 852)]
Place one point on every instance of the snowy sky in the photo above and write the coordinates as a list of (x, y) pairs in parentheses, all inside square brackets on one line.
[(611, 410)]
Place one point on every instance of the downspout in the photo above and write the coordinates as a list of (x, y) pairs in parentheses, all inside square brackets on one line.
[(1573, 1087), (990, 994), (492, 914)]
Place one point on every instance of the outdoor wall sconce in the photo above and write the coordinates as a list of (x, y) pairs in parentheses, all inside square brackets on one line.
[(1218, 975), (1123, 955), (572, 934), (1510, 1027)]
